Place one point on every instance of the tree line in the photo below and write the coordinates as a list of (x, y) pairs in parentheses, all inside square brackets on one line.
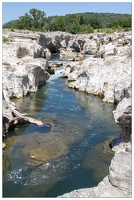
[(36, 20)]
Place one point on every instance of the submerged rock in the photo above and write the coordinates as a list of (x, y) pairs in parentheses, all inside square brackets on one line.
[(51, 150), (101, 156)]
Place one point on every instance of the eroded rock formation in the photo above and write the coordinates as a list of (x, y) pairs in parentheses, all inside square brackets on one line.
[(23, 70), (107, 79)]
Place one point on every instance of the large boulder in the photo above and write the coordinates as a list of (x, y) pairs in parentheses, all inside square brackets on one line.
[(73, 43), (91, 46), (24, 78)]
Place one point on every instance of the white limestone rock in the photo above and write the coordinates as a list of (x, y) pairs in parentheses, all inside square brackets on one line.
[(21, 49), (120, 171), (22, 79), (107, 78), (91, 46), (123, 112)]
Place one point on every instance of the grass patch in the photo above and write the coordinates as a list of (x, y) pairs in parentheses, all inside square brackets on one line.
[(5, 39)]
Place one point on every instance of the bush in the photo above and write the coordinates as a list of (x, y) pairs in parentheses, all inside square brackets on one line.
[(109, 30), (4, 39), (11, 29), (85, 29)]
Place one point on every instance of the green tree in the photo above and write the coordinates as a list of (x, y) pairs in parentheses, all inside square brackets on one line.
[(71, 19), (24, 22), (52, 23), (124, 23), (95, 23), (75, 28), (37, 18), (34, 20), (60, 24), (81, 20)]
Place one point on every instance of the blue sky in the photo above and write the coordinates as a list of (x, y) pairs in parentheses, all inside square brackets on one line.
[(12, 10)]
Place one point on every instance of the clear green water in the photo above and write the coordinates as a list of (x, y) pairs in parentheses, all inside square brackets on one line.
[(65, 154)]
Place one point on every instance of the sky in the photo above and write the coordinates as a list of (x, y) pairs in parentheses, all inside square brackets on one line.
[(13, 10)]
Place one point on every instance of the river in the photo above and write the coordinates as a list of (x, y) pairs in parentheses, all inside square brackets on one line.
[(69, 152)]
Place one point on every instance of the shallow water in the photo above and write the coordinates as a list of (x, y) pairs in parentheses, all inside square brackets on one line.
[(68, 152)]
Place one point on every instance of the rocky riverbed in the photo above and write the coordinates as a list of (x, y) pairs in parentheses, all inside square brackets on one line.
[(25, 68)]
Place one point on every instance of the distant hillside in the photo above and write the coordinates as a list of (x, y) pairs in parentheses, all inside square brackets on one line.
[(36, 20), (104, 18)]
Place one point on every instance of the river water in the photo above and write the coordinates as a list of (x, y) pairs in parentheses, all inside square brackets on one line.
[(70, 151)]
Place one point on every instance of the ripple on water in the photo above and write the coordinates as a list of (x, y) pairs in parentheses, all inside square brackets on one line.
[(29, 175)]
